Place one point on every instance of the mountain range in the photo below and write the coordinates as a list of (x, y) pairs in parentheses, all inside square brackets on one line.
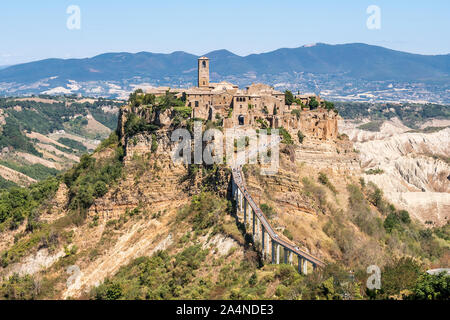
[(314, 67)]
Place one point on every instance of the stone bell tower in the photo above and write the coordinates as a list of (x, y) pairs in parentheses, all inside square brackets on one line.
[(203, 72)]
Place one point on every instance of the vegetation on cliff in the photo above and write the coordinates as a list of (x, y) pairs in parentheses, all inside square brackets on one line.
[(148, 108), (92, 177), (312, 104), (18, 204)]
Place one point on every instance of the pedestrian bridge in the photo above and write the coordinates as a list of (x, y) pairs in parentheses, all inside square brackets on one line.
[(262, 231)]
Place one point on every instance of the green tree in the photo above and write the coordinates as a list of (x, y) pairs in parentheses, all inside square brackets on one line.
[(100, 189), (400, 275), (313, 103), (392, 221), (289, 97), (19, 288), (376, 197), (287, 139), (267, 210), (404, 216), (154, 143), (329, 106), (431, 287), (301, 136)]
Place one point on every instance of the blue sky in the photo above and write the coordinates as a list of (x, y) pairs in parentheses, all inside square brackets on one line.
[(33, 30)]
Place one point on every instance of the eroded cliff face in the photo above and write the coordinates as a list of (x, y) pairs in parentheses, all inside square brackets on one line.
[(304, 210), (155, 186), (319, 124), (151, 178), (416, 172), (135, 218)]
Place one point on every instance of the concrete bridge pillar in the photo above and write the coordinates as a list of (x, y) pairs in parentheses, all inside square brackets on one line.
[(268, 245), (253, 221), (258, 228), (241, 197), (245, 211), (233, 188), (239, 200), (299, 264), (285, 255), (273, 252), (262, 240), (278, 253), (290, 257), (305, 266)]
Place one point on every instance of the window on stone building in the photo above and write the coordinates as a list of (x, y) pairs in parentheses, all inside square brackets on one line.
[(196, 104)]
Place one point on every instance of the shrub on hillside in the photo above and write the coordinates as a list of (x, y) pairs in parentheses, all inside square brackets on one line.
[(286, 137), (91, 179), (323, 179), (268, 211), (17, 204), (300, 136)]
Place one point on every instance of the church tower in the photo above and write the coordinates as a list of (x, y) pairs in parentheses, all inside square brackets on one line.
[(203, 72)]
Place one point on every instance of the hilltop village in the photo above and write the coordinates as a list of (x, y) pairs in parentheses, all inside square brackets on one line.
[(258, 105)]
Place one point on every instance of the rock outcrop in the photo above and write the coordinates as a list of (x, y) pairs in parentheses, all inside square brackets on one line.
[(415, 169)]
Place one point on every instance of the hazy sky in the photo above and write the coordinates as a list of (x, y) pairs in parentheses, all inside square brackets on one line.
[(32, 30)]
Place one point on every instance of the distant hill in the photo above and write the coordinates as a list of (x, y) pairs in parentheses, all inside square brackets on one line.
[(108, 66), (323, 64), (355, 60)]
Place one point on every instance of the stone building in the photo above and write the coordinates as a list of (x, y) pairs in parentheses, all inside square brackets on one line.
[(259, 104)]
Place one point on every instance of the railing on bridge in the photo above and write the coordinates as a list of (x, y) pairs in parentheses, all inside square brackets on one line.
[(263, 232)]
